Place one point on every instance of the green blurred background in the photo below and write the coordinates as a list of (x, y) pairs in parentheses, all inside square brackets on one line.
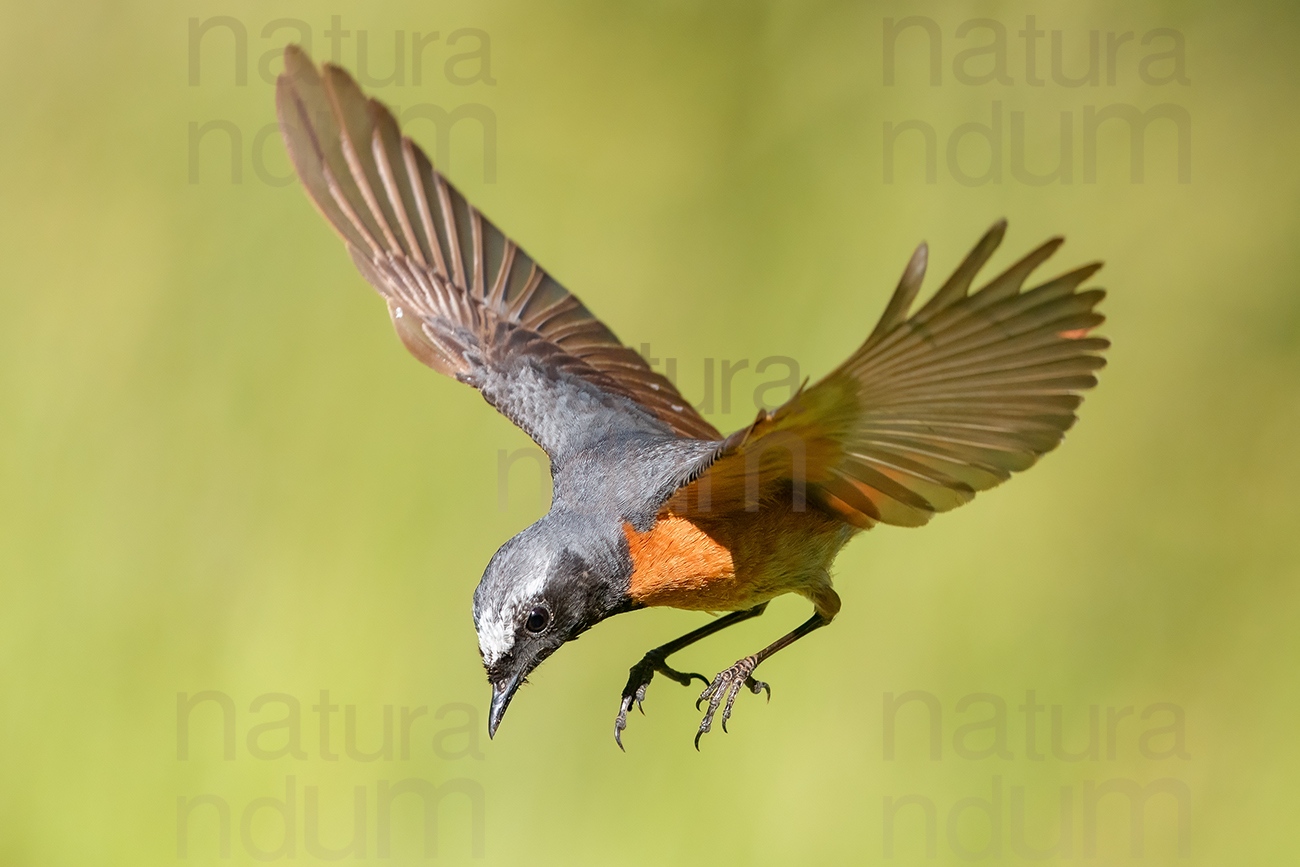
[(219, 471)]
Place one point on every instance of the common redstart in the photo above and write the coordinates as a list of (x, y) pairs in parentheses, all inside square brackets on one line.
[(652, 505)]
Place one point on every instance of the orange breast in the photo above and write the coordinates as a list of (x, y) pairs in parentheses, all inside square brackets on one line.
[(676, 563)]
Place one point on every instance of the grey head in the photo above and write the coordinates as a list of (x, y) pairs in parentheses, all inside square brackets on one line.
[(546, 586)]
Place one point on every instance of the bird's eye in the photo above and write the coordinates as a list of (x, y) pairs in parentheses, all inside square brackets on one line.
[(537, 620)]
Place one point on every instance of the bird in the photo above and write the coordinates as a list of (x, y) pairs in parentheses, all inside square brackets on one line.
[(652, 505)]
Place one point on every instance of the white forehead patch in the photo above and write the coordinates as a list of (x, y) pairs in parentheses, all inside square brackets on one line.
[(495, 636)]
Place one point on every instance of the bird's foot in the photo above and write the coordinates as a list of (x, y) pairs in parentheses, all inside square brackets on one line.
[(639, 677), (726, 686)]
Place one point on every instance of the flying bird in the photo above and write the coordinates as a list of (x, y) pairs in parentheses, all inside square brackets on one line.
[(652, 505)]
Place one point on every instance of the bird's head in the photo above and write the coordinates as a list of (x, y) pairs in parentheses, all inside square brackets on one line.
[(546, 586)]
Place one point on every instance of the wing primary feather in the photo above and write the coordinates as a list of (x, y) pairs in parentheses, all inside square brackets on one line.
[(305, 113), (384, 143), (416, 170), (344, 204), (476, 286), (959, 283), (908, 286), (308, 160), (352, 115), (968, 334), (520, 301), (497, 297), (1010, 281), (449, 234)]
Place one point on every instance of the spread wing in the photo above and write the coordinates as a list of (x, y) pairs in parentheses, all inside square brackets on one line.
[(464, 298), (932, 408)]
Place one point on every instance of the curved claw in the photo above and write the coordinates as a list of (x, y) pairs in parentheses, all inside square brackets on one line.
[(620, 723), (639, 677), (722, 692)]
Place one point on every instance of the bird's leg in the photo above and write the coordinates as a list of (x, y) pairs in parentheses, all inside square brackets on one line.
[(728, 683), (640, 675)]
